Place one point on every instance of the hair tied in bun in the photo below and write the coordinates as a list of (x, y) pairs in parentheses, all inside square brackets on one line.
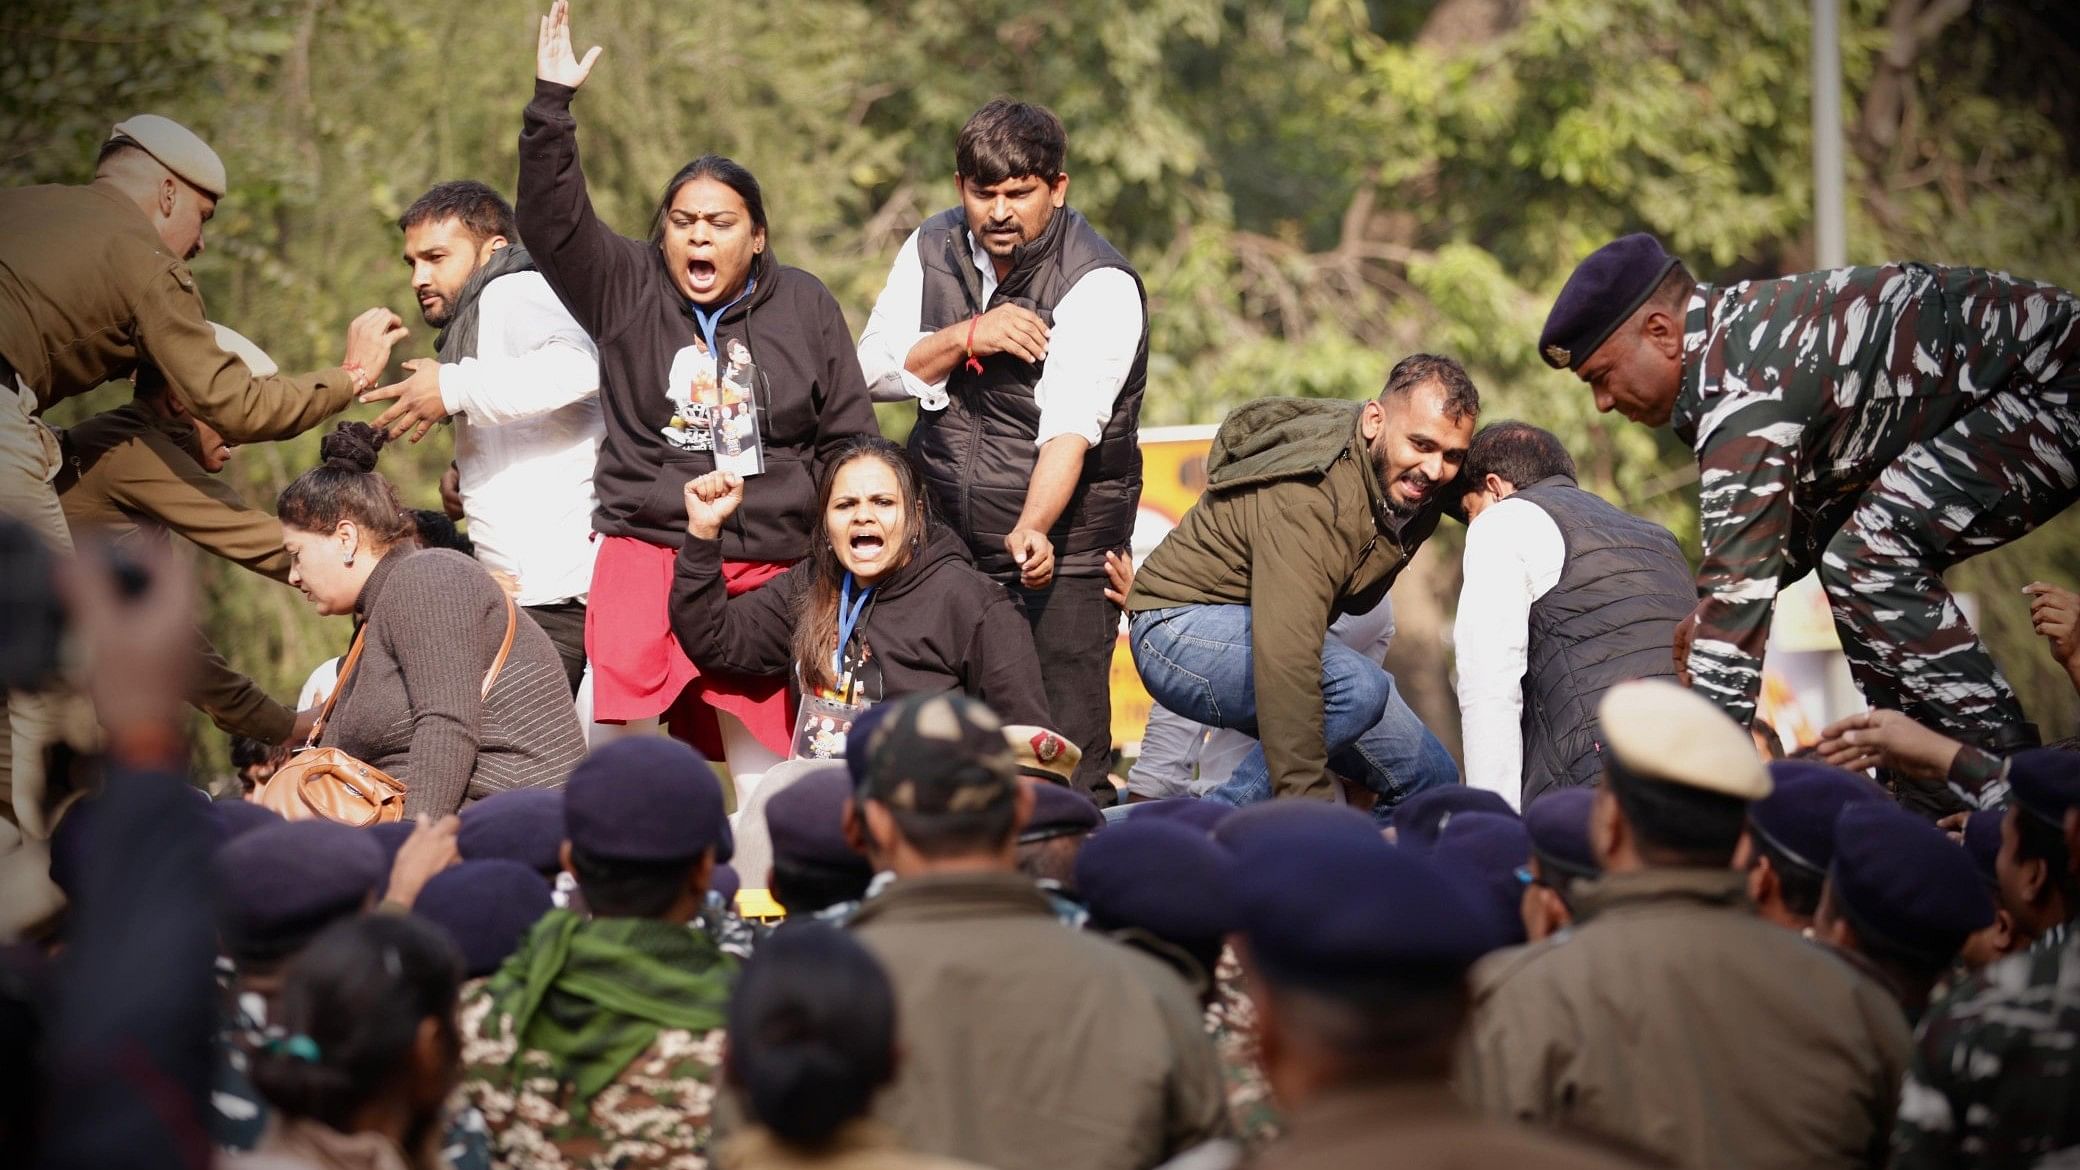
[(352, 446)]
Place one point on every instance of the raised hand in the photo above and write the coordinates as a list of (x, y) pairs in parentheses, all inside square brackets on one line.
[(2055, 614), (370, 337), (711, 500), (554, 59), (1890, 740)]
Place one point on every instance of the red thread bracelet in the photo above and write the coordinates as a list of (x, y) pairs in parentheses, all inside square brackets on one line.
[(974, 363)]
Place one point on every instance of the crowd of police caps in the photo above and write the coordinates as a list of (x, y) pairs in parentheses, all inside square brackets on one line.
[(1670, 946)]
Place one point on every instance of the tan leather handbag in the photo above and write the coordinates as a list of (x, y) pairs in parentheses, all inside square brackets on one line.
[(328, 784)]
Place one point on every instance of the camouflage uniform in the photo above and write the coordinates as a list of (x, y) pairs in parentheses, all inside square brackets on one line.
[(1231, 1022), (1877, 425), (1995, 1079)]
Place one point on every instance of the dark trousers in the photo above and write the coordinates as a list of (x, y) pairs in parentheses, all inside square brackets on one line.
[(564, 622), (1074, 629)]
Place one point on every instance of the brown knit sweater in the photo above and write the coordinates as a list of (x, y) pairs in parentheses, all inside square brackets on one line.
[(435, 619)]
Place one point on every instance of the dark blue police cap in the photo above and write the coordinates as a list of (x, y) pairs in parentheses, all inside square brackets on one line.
[(2045, 782), (645, 798), (1161, 876), (1903, 884), (236, 818), (724, 884), (523, 825), (281, 884), (1203, 815), (1059, 811), (806, 821), (1796, 821), (487, 906), (1348, 911), (390, 836), (1284, 822), (1604, 290), (1982, 842), (1558, 824), (1418, 819), (1488, 849)]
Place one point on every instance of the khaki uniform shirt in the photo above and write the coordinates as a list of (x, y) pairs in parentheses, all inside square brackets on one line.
[(88, 290), (1417, 1126), (1031, 1046), (132, 465), (1675, 1021)]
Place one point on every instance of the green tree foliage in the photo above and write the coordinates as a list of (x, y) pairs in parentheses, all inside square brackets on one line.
[(1310, 189)]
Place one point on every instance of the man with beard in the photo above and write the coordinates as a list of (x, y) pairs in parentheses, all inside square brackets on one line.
[(1312, 508), (521, 379), (1023, 336)]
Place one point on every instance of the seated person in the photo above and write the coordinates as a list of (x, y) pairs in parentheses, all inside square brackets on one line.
[(887, 603), (422, 703)]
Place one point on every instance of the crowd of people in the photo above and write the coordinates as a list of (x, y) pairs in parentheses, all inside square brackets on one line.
[(483, 898)]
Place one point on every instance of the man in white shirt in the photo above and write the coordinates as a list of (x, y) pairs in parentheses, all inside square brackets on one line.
[(1564, 597), (1180, 757), (1023, 337), (521, 381)]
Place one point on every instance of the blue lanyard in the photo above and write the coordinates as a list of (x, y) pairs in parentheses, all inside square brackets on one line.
[(849, 610), (708, 321)]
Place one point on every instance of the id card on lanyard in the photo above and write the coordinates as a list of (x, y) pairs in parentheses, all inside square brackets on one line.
[(827, 716)]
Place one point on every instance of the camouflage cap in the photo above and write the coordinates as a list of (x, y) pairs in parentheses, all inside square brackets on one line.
[(942, 753)]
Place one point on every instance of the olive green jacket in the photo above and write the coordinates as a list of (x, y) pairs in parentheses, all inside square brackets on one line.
[(132, 466), (1295, 525)]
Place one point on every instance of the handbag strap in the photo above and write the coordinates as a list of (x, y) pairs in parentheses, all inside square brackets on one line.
[(504, 648), (339, 683)]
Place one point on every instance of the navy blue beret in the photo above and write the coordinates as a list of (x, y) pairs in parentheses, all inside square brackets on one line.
[(1419, 819), (1603, 291), (2045, 782), (1982, 842), (1283, 822), (1488, 849), (487, 906), (1349, 910), (1203, 815), (644, 798), (806, 821), (1558, 824), (282, 883), (1903, 883), (523, 825), (724, 883), (1058, 811), (1796, 820), (390, 836), (1162, 876), (236, 818)]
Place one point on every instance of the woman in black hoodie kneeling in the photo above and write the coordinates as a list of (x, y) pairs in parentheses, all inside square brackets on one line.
[(887, 603)]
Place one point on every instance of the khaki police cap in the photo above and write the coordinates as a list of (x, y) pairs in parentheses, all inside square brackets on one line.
[(1658, 731), (177, 148), (1042, 753), (240, 346)]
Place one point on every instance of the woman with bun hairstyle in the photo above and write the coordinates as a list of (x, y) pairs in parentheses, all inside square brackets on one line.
[(703, 289), (812, 1040), (887, 604), (363, 1051), (432, 622)]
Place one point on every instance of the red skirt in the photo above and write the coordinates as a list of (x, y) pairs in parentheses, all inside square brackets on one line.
[(638, 669)]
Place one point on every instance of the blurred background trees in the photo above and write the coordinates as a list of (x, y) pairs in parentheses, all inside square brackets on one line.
[(1312, 190)]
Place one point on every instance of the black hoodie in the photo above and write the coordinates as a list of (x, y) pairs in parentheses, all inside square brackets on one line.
[(936, 624), (812, 399)]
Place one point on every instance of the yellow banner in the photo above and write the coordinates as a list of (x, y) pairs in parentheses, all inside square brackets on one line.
[(1173, 474)]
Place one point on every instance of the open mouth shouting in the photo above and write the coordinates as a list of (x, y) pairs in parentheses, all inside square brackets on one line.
[(866, 546), (701, 277)]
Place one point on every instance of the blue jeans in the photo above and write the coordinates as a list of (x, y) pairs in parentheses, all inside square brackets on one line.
[(1196, 660)]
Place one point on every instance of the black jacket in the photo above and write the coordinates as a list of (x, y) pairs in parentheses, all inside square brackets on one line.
[(813, 396), (936, 624)]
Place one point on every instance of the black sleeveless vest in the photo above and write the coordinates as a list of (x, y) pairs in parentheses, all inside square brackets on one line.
[(978, 454), (1611, 616)]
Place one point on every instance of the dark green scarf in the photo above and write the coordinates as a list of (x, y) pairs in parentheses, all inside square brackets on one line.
[(592, 994)]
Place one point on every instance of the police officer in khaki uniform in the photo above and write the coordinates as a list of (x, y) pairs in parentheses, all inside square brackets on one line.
[(151, 463), (1672, 1018), (94, 280)]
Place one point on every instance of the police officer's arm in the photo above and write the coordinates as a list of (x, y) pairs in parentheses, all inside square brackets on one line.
[(218, 387), (1292, 590), (1747, 467), (235, 703), (159, 480)]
